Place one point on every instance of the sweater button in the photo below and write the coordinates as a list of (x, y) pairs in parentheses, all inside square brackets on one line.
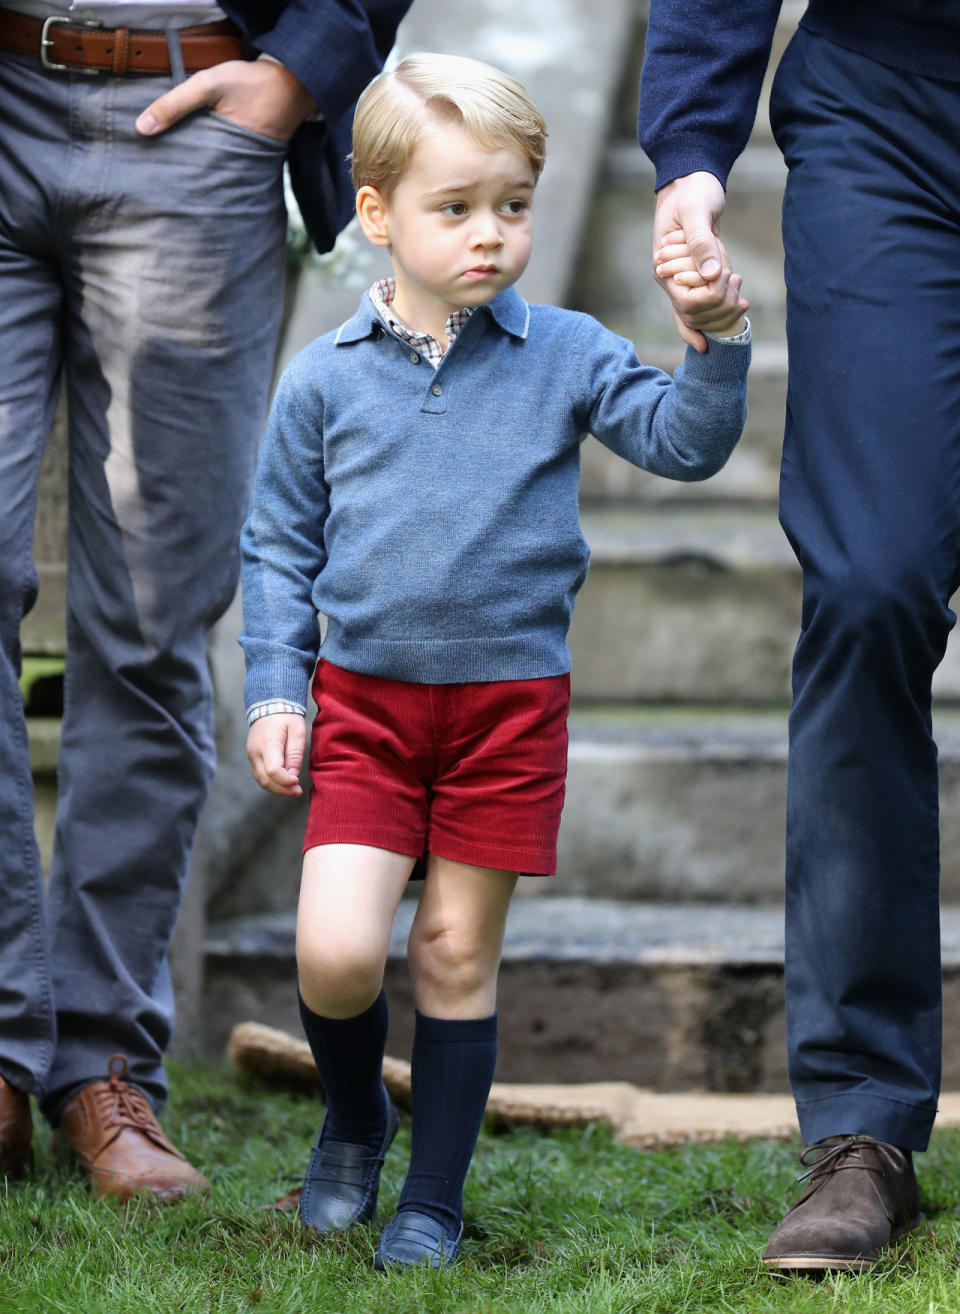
[(415, 358), (436, 390)]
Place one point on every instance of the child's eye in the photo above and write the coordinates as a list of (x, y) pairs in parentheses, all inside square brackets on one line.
[(515, 207), (455, 209)]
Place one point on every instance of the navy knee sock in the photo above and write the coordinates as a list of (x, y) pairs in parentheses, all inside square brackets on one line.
[(348, 1053), (452, 1070)]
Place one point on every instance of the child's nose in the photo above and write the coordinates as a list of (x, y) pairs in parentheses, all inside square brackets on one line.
[(487, 231)]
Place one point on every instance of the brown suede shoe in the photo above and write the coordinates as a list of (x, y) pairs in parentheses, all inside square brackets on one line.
[(861, 1195), (110, 1129), (16, 1131)]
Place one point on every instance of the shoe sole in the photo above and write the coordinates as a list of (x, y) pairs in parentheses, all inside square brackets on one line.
[(382, 1265), (821, 1264), (813, 1264)]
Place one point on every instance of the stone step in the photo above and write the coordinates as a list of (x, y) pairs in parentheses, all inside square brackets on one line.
[(618, 238), (693, 606), (688, 804), (752, 473), (668, 997), (682, 804), (678, 804)]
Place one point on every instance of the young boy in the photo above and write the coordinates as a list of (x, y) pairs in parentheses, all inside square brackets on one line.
[(418, 486)]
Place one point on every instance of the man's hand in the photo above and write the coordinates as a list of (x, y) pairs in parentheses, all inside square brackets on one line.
[(262, 95), (275, 748), (692, 206)]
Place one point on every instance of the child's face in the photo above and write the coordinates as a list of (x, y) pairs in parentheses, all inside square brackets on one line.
[(458, 225)]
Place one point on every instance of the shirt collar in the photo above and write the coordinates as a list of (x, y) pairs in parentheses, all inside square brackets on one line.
[(382, 295), (508, 309)]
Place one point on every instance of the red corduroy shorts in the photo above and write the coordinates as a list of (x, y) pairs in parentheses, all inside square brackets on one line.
[(471, 772)]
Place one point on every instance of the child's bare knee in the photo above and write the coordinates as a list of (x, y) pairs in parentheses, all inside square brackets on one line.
[(449, 961), (338, 980)]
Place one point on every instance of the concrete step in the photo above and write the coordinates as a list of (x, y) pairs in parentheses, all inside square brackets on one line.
[(688, 805), (668, 997), (618, 238), (682, 804), (669, 591), (752, 473), (693, 606)]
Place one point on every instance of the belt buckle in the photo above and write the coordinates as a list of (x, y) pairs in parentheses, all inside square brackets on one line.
[(46, 42)]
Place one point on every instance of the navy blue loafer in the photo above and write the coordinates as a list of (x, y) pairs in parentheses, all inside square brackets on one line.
[(342, 1180), (412, 1238)]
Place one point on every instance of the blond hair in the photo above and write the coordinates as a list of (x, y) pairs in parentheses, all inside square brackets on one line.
[(399, 105)]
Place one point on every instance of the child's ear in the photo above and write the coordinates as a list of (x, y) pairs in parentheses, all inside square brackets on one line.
[(372, 213)]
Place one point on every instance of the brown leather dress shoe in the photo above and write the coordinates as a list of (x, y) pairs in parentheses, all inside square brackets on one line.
[(111, 1131), (16, 1131), (861, 1194)]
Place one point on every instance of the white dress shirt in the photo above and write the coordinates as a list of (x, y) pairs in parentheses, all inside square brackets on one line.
[(124, 13)]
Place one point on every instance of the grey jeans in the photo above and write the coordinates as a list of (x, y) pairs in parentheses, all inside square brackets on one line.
[(150, 272)]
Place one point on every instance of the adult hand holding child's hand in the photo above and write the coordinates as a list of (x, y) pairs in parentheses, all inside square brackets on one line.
[(717, 307), (688, 211)]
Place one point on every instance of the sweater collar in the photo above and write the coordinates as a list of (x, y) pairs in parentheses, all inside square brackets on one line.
[(508, 310)]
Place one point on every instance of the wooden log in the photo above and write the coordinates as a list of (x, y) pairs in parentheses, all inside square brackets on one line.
[(641, 1118)]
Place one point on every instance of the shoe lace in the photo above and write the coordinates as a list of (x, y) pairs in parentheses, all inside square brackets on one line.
[(122, 1106), (846, 1153)]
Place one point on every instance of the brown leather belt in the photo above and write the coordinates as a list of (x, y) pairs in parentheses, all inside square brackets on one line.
[(75, 47)]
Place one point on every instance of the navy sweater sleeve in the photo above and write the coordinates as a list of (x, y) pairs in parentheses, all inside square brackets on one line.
[(701, 80)]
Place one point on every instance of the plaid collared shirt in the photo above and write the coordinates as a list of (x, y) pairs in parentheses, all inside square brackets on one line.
[(382, 294)]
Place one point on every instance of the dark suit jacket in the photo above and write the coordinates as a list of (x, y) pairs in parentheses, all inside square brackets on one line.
[(334, 47)]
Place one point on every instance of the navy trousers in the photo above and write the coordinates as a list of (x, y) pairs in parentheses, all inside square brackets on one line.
[(870, 500)]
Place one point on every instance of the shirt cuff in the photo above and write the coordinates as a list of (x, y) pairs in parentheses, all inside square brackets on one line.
[(737, 338), (276, 707)]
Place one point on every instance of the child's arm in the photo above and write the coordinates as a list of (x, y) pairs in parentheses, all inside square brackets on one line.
[(716, 307), (282, 554), (681, 427), (275, 747)]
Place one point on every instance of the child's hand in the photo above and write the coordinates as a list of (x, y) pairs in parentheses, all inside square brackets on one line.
[(714, 307), (275, 748)]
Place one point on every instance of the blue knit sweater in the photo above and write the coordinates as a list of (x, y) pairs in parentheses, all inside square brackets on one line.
[(431, 516), (704, 66)]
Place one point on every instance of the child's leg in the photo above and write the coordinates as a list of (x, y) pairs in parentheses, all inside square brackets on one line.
[(348, 897), (454, 953)]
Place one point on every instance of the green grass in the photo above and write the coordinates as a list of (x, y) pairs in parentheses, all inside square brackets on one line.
[(555, 1223)]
